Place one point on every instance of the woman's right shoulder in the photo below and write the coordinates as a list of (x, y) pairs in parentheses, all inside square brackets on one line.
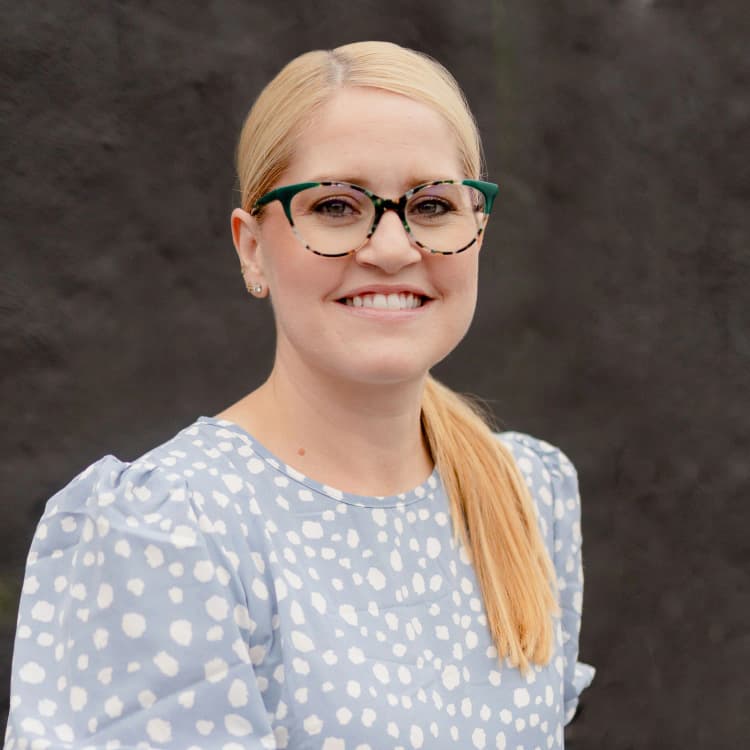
[(190, 460), (138, 497), (141, 484), (163, 488), (195, 482)]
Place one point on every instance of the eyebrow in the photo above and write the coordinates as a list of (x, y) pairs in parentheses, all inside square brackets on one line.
[(365, 183)]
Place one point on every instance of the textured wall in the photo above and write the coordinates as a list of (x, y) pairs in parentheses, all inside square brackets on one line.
[(613, 315)]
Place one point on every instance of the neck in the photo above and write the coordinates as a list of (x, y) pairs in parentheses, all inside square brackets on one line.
[(361, 438)]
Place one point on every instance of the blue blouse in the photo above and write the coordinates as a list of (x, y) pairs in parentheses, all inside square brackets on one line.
[(209, 597)]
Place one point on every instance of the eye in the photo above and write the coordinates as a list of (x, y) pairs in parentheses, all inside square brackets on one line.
[(431, 206), (334, 207)]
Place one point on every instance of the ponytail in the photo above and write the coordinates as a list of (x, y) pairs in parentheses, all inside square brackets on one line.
[(493, 514)]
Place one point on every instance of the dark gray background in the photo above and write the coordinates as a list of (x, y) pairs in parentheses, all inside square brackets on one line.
[(613, 317)]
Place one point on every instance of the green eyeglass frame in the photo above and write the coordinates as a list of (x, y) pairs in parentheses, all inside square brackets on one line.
[(286, 193)]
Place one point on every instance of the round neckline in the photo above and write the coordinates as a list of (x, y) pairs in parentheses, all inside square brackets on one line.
[(422, 491)]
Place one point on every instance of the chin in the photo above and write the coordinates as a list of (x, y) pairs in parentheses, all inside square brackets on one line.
[(386, 370), (367, 363)]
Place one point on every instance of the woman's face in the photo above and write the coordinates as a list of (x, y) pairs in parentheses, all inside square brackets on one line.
[(386, 143)]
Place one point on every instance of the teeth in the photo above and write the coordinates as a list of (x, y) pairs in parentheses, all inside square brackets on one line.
[(401, 301)]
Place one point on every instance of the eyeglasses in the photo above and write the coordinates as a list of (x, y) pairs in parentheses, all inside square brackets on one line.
[(337, 218)]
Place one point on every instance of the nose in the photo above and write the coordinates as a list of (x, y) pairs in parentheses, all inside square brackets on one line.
[(390, 247)]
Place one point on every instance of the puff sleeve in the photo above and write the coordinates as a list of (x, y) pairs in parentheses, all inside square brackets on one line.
[(568, 564), (133, 626)]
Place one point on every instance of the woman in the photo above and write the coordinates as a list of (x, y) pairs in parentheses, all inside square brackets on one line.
[(347, 557)]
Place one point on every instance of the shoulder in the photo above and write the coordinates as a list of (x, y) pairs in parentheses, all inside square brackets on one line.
[(196, 489), (107, 504), (195, 456), (534, 453), (158, 490), (151, 519), (551, 478), (142, 482)]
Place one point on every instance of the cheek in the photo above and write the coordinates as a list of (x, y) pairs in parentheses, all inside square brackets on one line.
[(299, 282), (464, 290), (286, 281), (459, 280), (290, 270)]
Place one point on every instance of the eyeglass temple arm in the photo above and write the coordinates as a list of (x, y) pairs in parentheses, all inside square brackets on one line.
[(488, 189)]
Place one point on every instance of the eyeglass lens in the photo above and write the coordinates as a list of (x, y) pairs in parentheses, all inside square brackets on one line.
[(335, 219)]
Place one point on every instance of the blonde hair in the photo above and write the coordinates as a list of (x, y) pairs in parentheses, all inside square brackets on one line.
[(492, 510)]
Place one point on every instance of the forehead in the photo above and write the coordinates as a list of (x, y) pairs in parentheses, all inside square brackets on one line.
[(381, 140)]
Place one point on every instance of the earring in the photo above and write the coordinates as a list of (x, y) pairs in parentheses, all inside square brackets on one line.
[(256, 289), (252, 288)]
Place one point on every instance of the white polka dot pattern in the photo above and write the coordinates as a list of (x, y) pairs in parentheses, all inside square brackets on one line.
[(207, 596)]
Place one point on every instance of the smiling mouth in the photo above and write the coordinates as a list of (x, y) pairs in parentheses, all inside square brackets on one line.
[(393, 301)]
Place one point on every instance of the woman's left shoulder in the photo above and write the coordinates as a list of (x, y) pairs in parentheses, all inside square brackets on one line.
[(552, 481), (534, 453)]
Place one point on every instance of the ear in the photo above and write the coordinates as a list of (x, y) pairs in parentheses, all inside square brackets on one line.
[(246, 235)]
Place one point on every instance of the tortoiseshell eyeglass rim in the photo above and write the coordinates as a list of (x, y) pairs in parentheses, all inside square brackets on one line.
[(285, 194)]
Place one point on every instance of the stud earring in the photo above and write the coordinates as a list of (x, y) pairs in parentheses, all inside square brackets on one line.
[(253, 288)]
